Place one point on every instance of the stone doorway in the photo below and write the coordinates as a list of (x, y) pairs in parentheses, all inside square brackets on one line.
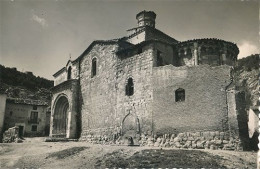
[(60, 117), (20, 131), (130, 125)]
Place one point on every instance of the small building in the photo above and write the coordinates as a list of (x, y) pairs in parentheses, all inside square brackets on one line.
[(31, 116)]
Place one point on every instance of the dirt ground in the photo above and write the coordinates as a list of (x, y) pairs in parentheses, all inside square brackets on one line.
[(35, 153)]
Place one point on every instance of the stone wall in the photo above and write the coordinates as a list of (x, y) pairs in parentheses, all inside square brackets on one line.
[(137, 37), (98, 93), (214, 140), (205, 106), (167, 53), (135, 110), (214, 52), (155, 34), (61, 77)]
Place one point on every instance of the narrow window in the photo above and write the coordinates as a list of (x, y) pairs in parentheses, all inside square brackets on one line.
[(34, 127), (129, 89), (69, 73), (11, 113), (189, 51), (34, 117), (94, 67), (180, 95), (159, 58), (34, 107)]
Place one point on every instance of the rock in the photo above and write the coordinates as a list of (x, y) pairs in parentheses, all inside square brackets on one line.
[(200, 145), (218, 142), (177, 144), (177, 139), (197, 134), (190, 138), (180, 135), (213, 147), (187, 144), (167, 143), (225, 142), (193, 145)]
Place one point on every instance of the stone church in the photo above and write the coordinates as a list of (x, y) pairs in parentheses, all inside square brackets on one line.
[(148, 84)]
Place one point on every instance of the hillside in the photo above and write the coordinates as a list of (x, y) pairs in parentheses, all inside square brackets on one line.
[(24, 85), (246, 73)]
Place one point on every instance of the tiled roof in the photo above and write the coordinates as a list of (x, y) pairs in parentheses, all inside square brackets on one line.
[(26, 101)]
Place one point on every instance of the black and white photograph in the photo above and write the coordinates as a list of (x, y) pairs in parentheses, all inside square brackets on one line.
[(116, 84)]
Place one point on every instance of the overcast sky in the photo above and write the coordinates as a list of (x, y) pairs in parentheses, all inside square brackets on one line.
[(39, 36)]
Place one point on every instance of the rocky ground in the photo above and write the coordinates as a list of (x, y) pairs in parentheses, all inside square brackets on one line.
[(35, 153)]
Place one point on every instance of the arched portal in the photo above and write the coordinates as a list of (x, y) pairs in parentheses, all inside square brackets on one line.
[(60, 118), (130, 125)]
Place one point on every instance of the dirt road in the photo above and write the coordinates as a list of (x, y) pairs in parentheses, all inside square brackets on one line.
[(34, 153)]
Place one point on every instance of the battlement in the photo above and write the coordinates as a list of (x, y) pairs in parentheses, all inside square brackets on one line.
[(146, 18)]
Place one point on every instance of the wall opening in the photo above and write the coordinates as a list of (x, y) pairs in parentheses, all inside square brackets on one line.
[(34, 117), (139, 51), (180, 95), (129, 89), (34, 128), (34, 107), (60, 120), (69, 73), (94, 67), (159, 58)]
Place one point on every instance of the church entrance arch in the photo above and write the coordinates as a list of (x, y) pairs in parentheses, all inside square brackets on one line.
[(60, 117)]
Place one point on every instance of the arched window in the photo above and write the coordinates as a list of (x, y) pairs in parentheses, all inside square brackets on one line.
[(129, 88), (189, 51), (180, 95), (159, 58), (69, 73), (94, 67)]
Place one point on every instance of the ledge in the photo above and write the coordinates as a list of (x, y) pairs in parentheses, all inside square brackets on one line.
[(64, 85)]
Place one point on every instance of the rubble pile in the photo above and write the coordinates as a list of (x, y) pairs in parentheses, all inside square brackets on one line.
[(12, 135)]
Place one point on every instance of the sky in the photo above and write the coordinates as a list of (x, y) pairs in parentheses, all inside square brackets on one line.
[(40, 36)]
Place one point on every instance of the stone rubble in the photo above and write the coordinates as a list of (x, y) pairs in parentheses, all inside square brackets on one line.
[(213, 140)]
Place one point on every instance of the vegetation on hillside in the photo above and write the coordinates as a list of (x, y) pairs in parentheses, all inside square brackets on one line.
[(24, 85), (246, 78), (12, 77), (248, 63)]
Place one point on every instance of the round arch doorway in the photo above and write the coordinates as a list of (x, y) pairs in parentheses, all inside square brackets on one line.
[(60, 117)]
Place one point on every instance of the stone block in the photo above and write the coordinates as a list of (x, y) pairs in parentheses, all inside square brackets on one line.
[(217, 133), (197, 134), (177, 139), (180, 135), (218, 142), (206, 134)]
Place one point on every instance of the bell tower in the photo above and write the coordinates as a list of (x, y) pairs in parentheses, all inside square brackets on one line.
[(146, 18)]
